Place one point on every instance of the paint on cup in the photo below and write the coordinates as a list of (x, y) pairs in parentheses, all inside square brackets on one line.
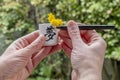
[(50, 33)]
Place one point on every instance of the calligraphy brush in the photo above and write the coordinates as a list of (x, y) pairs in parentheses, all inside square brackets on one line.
[(89, 27)]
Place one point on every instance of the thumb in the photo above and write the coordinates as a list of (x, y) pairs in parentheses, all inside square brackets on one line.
[(34, 47), (74, 33)]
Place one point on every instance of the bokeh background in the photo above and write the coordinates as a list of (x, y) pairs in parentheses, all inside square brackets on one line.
[(20, 17)]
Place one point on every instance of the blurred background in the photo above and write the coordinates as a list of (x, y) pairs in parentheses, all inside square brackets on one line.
[(20, 17)]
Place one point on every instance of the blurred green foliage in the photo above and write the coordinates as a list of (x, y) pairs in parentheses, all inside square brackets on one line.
[(20, 17)]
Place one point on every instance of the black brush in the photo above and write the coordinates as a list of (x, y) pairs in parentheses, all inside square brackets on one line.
[(89, 27)]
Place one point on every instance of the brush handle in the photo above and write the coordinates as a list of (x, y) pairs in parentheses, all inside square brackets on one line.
[(89, 27)]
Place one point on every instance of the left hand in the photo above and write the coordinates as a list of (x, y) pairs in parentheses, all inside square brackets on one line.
[(23, 55)]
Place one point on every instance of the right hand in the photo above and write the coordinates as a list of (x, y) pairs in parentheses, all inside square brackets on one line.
[(86, 50)]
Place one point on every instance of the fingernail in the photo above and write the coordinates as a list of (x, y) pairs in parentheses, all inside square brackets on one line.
[(73, 28), (72, 25)]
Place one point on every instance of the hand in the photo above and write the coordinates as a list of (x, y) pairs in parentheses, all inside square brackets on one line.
[(23, 55), (86, 50)]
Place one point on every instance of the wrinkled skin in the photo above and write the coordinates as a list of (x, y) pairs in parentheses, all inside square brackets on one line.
[(86, 50), (23, 55)]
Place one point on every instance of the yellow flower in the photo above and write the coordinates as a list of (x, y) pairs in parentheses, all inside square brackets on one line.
[(51, 17), (60, 22), (55, 22)]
